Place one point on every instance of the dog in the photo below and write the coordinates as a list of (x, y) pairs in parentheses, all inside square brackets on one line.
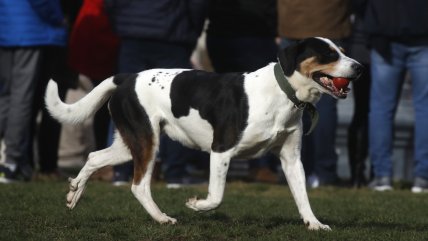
[(232, 115)]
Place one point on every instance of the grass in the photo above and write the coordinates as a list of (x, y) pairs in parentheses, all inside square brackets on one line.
[(36, 211)]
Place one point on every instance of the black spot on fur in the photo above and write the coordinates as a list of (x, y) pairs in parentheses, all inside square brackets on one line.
[(120, 78), (291, 57), (127, 112), (219, 98), (153, 79)]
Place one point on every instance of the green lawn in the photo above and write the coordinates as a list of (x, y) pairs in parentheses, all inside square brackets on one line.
[(36, 211)]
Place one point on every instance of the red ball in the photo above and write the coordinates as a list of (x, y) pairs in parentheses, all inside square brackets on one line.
[(340, 83)]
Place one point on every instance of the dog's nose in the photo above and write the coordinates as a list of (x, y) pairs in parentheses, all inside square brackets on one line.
[(358, 68)]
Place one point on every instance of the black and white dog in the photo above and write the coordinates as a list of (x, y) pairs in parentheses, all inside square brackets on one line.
[(234, 115)]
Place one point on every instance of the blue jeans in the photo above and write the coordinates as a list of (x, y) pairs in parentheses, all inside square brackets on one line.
[(137, 55), (387, 80), (319, 155)]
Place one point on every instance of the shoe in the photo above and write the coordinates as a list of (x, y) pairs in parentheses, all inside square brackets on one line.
[(264, 175), (103, 174), (184, 182), (420, 185), (51, 176), (120, 179), (381, 184), (6, 175), (314, 181), (120, 183)]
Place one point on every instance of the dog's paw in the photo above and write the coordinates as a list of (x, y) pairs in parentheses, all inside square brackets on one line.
[(317, 225), (191, 203), (202, 205), (76, 191), (165, 219)]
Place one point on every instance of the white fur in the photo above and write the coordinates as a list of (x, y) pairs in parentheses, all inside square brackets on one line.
[(81, 110)]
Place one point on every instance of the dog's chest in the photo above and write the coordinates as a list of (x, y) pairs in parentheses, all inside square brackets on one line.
[(265, 133)]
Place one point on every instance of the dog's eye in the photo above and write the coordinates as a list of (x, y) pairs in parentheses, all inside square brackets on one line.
[(333, 55)]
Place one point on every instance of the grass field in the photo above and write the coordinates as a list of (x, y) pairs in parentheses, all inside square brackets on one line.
[(36, 211)]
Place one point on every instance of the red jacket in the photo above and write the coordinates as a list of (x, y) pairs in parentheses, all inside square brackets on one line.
[(93, 46)]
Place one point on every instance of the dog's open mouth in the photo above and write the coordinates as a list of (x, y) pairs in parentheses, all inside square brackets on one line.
[(338, 86)]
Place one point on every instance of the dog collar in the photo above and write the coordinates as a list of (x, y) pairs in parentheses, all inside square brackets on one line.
[(285, 86)]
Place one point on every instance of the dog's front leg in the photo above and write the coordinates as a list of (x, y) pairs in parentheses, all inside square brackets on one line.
[(219, 165), (293, 170)]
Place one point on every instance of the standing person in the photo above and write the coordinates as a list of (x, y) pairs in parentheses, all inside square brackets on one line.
[(299, 19), (358, 130), (398, 33), (158, 34), (27, 27), (241, 38), (93, 52), (47, 131)]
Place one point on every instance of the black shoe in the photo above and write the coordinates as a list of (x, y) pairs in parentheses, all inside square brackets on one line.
[(381, 184), (6, 175), (420, 185)]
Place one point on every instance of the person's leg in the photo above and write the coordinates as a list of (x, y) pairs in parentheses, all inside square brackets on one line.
[(54, 66), (21, 92), (417, 64), (6, 62), (324, 136), (358, 129), (387, 78)]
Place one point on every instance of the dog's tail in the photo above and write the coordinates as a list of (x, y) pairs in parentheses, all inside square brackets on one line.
[(82, 109)]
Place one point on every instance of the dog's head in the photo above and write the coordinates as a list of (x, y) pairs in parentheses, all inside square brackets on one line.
[(323, 65)]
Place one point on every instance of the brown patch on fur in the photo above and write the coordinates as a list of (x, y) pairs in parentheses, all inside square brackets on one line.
[(141, 151), (140, 163), (310, 65)]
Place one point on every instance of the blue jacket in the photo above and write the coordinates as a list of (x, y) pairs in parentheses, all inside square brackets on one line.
[(31, 23), (174, 21)]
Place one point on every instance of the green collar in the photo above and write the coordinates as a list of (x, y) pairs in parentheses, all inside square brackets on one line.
[(285, 86)]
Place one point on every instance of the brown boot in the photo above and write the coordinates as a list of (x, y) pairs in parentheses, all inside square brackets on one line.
[(264, 175)]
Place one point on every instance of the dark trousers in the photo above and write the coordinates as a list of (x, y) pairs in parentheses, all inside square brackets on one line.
[(53, 65), (358, 131), (138, 55), (318, 148)]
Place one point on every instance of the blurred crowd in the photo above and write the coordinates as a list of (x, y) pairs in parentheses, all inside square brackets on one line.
[(79, 43)]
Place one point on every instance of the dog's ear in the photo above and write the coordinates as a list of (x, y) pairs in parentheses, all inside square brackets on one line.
[(288, 59)]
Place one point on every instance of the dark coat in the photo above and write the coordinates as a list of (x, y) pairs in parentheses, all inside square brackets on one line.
[(386, 21), (175, 21)]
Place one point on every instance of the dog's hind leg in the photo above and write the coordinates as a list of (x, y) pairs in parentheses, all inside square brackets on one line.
[(117, 153), (143, 170), (293, 170), (219, 165)]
